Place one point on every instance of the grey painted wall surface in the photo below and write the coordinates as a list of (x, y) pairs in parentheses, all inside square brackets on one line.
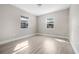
[(74, 27), (10, 23), (61, 23)]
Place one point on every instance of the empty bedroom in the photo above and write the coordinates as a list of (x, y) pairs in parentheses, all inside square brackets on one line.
[(38, 29)]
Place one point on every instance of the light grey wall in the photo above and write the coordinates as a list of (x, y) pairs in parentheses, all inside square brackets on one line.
[(10, 23), (74, 27), (61, 23)]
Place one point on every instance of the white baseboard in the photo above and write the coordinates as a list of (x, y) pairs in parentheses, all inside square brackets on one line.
[(59, 36), (26, 36), (75, 50)]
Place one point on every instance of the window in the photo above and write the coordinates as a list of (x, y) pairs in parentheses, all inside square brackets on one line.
[(24, 22), (50, 22)]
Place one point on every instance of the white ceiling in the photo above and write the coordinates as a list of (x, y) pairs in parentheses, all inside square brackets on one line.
[(45, 8)]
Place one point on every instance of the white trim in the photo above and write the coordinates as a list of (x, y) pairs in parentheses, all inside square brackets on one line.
[(51, 35), (26, 36), (75, 50)]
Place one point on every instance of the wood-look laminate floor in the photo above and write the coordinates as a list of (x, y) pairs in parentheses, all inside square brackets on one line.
[(37, 45)]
